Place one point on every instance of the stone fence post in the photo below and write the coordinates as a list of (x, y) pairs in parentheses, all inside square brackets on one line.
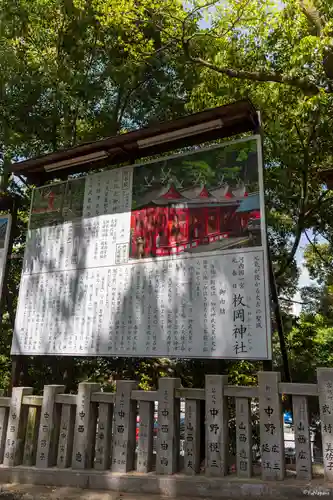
[(17, 422), (3, 428), (243, 437), (49, 427), (192, 437), (85, 427), (146, 430), (325, 392), (104, 436), (124, 442), (216, 426), (302, 438), (65, 446), (271, 426), (168, 437)]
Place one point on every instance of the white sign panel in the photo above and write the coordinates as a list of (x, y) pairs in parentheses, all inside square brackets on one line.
[(152, 260)]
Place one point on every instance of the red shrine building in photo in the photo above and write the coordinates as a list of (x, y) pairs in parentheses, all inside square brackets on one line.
[(168, 220)]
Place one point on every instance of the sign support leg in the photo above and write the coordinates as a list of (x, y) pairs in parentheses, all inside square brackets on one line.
[(278, 319)]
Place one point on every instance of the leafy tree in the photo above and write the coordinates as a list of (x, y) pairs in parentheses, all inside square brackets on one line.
[(80, 70), (262, 41), (279, 55), (318, 298), (69, 76), (70, 72), (296, 126)]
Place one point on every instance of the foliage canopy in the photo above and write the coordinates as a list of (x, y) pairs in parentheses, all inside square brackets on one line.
[(78, 70)]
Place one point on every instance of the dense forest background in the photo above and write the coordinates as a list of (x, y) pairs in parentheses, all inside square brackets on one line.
[(79, 70)]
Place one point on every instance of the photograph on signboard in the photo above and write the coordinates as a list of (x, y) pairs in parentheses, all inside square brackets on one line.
[(72, 207), (204, 201), (57, 203)]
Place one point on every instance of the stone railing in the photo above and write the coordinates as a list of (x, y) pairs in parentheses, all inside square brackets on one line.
[(94, 431)]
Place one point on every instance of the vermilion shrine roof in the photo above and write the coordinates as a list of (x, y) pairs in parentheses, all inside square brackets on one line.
[(196, 192), (162, 196), (240, 192), (199, 194), (222, 193), (196, 195)]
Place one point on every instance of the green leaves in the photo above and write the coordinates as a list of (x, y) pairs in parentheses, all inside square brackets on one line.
[(310, 344), (72, 72), (78, 71)]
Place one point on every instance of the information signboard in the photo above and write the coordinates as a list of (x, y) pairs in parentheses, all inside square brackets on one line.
[(166, 258)]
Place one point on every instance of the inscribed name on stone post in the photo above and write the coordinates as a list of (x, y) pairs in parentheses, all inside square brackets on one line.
[(66, 436), (271, 426), (216, 425), (192, 436), (302, 437), (124, 427), (49, 427), (243, 437), (168, 438), (146, 436), (16, 427), (85, 427), (325, 390), (103, 438)]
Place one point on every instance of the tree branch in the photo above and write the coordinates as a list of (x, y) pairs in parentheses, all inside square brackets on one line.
[(293, 250), (116, 110), (312, 14), (161, 49), (122, 108), (302, 83), (321, 201), (200, 7), (314, 246), (255, 76), (79, 104), (238, 17), (301, 217), (314, 130), (293, 301)]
